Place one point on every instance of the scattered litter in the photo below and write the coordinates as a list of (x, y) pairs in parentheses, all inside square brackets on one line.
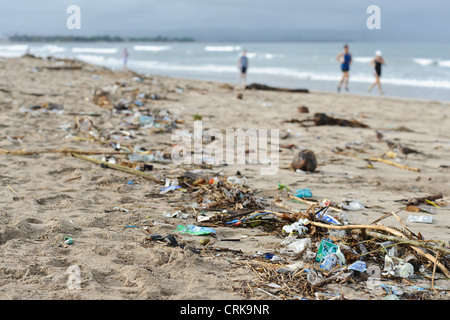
[(303, 193), (195, 230), (68, 240), (420, 219)]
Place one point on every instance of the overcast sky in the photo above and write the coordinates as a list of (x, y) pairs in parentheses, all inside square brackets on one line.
[(233, 20)]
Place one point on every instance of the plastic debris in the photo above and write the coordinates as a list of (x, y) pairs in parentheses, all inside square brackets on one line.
[(353, 206), (303, 193), (68, 240), (358, 266), (420, 219), (195, 230)]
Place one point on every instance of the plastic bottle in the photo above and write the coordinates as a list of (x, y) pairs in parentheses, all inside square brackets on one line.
[(420, 219), (236, 180), (353, 206), (406, 270)]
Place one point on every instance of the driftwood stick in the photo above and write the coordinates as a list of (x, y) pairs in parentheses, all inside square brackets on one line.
[(394, 164), (119, 167), (434, 271), (64, 150), (326, 280), (424, 199), (291, 210), (372, 227), (390, 230), (312, 203), (426, 244)]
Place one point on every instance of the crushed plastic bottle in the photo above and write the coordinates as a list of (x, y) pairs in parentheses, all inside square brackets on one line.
[(353, 206), (312, 276), (420, 219), (406, 270), (296, 246), (237, 181)]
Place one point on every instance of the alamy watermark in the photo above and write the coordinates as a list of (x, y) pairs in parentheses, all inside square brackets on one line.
[(374, 20), (74, 277), (74, 20), (236, 146)]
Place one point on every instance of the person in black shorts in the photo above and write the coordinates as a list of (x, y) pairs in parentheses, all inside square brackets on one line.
[(243, 65), (377, 63), (345, 58)]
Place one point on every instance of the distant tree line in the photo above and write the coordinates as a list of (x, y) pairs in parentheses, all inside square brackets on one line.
[(27, 38)]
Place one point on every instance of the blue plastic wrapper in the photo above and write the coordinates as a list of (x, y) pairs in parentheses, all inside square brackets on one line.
[(195, 230), (327, 218), (329, 262), (358, 266), (171, 188), (139, 103), (268, 256), (303, 193)]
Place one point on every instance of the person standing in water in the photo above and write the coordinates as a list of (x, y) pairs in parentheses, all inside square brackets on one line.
[(125, 55), (345, 58), (243, 66), (377, 62)]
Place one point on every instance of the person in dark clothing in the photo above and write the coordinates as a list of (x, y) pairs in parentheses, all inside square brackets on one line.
[(243, 66), (377, 63), (345, 58)]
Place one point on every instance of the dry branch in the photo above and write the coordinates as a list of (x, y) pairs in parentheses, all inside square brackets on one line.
[(119, 167), (395, 164)]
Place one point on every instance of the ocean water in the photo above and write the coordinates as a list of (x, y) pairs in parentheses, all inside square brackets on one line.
[(412, 70)]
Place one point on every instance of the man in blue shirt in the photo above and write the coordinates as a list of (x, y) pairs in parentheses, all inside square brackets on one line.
[(345, 58), (243, 65)]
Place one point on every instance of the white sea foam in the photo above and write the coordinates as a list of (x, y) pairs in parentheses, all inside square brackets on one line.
[(291, 73), (151, 48), (47, 49), (223, 48), (444, 63), (95, 50), (424, 61), (430, 83), (100, 60), (14, 47), (11, 54), (12, 51)]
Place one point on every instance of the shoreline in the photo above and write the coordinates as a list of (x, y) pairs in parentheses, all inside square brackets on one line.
[(423, 86), (46, 196)]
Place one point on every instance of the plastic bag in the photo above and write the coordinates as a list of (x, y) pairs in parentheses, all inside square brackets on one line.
[(195, 230), (303, 193)]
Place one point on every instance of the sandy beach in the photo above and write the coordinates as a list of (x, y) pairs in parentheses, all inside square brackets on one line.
[(47, 195)]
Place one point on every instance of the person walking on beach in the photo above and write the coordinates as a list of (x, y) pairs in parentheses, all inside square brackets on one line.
[(125, 55), (243, 66), (377, 62), (345, 58)]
